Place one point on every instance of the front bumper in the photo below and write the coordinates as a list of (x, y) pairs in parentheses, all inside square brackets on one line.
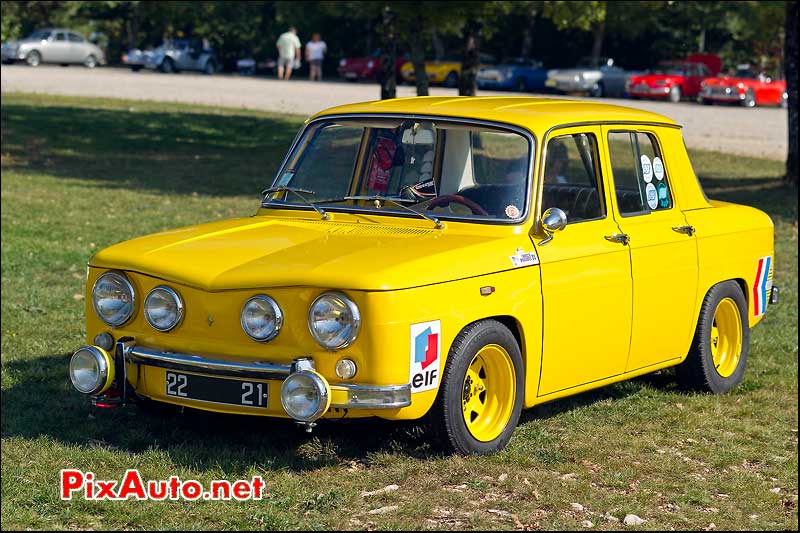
[(148, 361), (727, 95), (644, 91), (11, 54), (568, 86)]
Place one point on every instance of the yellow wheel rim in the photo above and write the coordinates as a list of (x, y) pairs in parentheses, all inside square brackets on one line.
[(726, 338), (488, 394)]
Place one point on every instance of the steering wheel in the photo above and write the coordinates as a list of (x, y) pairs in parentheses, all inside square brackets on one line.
[(447, 199)]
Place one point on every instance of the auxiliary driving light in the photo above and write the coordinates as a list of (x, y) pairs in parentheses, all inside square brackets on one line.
[(91, 370), (305, 396)]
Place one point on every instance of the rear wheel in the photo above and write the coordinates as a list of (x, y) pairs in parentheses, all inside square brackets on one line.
[(451, 80), (718, 356), (167, 66), (481, 394), (33, 58), (90, 62), (675, 94), (209, 68)]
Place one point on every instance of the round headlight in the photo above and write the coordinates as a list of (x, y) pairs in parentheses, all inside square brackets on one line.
[(304, 396), (334, 320), (163, 308), (113, 299), (261, 318), (91, 370)]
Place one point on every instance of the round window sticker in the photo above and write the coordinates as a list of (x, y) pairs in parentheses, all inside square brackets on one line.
[(663, 195), (647, 169), (658, 168), (652, 195)]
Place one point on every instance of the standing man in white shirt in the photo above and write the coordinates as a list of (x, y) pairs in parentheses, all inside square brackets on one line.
[(288, 52), (315, 53)]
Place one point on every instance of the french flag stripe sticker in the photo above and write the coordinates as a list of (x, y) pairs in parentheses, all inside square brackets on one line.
[(761, 286)]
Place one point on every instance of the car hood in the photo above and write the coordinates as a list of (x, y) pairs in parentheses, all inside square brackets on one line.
[(271, 251)]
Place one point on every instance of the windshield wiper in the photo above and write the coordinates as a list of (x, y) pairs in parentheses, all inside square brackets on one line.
[(399, 202), (300, 193)]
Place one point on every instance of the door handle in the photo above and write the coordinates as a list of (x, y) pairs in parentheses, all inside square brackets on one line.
[(686, 230), (621, 238)]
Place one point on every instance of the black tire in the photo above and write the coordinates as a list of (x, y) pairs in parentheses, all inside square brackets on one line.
[(90, 62), (209, 68), (705, 101), (597, 90), (446, 414), (33, 59), (697, 372), (519, 85), (136, 68), (451, 80), (749, 99), (675, 93), (167, 66)]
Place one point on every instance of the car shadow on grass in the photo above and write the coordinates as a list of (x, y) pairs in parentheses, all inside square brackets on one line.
[(42, 403)]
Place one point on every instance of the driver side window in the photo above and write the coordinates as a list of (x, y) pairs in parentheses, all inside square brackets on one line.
[(571, 177)]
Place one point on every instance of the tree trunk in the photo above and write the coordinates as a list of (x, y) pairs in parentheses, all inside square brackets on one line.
[(701, 41), (386, 76), (790, 58), (597, 44), (527, 36), (438, 47), (467, 84), (417, 49)]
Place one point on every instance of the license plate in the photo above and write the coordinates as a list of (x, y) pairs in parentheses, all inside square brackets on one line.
[(350, 75), (550, 83), (217, 390)]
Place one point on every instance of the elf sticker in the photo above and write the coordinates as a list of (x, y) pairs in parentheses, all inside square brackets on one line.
[(663, 194), (426, 344), (652, 195), (658, 168), (647, 169)]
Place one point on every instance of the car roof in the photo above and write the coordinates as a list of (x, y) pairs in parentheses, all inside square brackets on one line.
[(533, 113)]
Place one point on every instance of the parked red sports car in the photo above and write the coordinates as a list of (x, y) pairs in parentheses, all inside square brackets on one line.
[(745, 88), (366, 68), (674, 80)]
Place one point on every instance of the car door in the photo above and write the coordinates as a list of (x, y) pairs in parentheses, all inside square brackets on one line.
[(57, 48), (662, 246), (586, 279), (76, 48)]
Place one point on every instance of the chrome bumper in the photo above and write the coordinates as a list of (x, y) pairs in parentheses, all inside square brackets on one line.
[(358, 396)]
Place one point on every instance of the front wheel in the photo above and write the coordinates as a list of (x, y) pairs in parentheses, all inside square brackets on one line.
[(718, 356), (33, 58), (749, 99), (167, 66), (597, 91), (675, 94), (482, 390), (90, 62)]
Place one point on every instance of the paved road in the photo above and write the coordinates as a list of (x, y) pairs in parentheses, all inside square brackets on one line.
[(758, 132)]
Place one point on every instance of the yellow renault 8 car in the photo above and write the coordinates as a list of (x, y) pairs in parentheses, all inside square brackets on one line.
[(458, 259)]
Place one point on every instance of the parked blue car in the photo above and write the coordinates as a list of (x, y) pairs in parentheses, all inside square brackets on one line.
[(515, 74)]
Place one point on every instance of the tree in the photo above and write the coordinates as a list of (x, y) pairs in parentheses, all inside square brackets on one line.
[(387, 76), (586, 16), (790, 59)]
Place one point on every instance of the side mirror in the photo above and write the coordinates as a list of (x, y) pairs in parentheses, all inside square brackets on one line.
[(553, 220)]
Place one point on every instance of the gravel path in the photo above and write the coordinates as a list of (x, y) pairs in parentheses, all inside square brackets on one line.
[(758, 132)]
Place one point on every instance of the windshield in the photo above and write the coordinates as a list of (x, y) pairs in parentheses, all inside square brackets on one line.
[(671, 69), (442, 169), (40, 35)]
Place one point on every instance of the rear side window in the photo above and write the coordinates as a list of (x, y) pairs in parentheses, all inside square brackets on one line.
[(571, 177), (640, 178), (75, 38), (60, 37)]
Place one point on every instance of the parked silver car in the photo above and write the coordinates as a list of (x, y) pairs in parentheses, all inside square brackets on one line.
[(174, 55), (53, 45), (601, 79)]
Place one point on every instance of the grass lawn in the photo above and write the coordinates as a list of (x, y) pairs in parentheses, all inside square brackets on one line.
[(81, 174)]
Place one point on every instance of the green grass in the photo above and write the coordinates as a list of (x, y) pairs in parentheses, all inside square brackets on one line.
[(79, 174)]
